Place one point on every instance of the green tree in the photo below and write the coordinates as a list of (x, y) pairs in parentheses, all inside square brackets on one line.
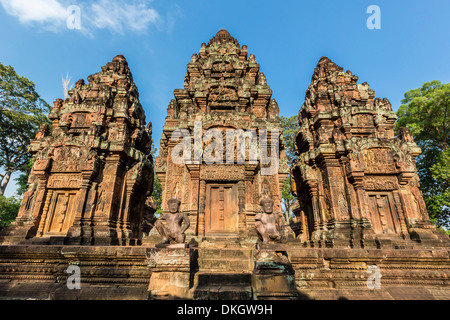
[(157, 195), (157, 188), (22, 179), (9, 207), (426, 112), (22, 111), (290, 127), (288, 199)]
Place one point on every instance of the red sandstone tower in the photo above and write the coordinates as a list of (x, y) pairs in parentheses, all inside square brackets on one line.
[(355, 181), (93, 172), (224, 90)]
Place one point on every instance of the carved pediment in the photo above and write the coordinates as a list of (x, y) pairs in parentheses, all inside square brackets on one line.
[(379, 161), (223, 97)]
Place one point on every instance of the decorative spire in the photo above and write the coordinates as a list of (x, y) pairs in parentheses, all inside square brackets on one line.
[(222, 36), (325, 67)]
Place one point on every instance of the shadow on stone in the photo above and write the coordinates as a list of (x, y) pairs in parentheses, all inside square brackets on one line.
[(274, 277)]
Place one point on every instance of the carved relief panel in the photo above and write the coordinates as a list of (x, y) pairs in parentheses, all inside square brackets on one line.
[(222, 172), (379, 161), (66, 159), (222, 98)]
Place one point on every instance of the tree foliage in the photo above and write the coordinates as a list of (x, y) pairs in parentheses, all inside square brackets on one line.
[(290, 127), (426, 112), (157, 196), (22, 111), (157, 188), (9, 207), (22, 179), (288, 198)]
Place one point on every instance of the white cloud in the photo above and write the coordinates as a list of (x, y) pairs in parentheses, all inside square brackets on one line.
[(114, 15), (118, 16), (40, 11)]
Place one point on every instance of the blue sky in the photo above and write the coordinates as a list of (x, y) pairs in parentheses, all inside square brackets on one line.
[(287, 37)]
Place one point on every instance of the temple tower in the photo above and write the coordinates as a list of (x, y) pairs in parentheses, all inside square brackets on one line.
[(356, 182), (89, 167), (221, 148)]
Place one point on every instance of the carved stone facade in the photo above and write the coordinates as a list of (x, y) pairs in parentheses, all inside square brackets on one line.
[(224, 92), (88, 171), (359, 205), (355, 181)]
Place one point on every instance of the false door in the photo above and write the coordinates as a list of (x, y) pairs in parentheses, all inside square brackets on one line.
[(61, 212), (221, 212), (383, 214)]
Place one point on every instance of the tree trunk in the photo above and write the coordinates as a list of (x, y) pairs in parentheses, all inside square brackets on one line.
[(288, 213), (287, 210), (4, 183)]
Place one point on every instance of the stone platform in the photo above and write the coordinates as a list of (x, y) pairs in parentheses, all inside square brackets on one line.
[(128, 273)]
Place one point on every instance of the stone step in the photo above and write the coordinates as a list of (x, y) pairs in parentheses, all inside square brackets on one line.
[(390, 242), (222, 260), (222, 286), (223, 293), (224, 253), (236, 265), (218, 279)]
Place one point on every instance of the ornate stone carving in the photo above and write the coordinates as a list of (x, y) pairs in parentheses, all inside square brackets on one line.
[(269, 225), (176, 223), (223, 90), (222, 172), (64, 181), (365, 188), (380, 182), (93, 168)]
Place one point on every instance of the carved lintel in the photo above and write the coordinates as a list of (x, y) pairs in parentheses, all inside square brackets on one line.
[(372, 182), (217, 172), (64, 181)]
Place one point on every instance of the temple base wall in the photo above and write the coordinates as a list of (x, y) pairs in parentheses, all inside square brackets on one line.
[(124, 273)]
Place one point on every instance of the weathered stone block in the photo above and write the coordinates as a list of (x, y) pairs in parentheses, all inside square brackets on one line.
[(171, 272)]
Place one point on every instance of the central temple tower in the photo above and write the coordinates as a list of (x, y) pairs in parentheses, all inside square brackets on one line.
[(220, 178)]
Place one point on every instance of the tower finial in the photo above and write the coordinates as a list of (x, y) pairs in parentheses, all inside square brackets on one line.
[(223, 36)]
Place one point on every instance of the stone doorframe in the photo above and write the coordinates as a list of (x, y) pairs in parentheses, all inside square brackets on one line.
[(225, 224), (230, 174)]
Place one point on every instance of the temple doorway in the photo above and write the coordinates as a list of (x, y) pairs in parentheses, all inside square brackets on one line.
[(221, 212)]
